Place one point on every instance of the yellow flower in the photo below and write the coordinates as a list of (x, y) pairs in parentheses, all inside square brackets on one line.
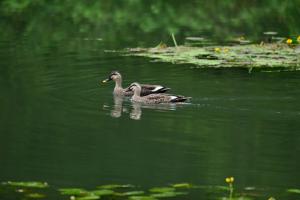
[(298, 39), (229, 179), (217, 49), (225, 50), (289, 41)]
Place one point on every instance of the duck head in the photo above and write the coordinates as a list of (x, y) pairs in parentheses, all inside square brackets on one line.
[(114, 75), (135, 87)]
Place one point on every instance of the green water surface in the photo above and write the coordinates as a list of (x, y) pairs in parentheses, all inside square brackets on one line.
[(60, 125)]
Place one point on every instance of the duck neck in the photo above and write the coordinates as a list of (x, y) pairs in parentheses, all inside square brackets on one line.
[(137, 93), (118, 84)]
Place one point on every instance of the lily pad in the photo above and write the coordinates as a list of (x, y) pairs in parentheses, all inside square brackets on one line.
[(114, 186), (213, 187), (236, 198), (142, 198), (73, 191), (294, 190), (162, 189), (27, 184), (103, 192), (88, 197), (182, 185), (168, 194), (131, 193), (35, 196)]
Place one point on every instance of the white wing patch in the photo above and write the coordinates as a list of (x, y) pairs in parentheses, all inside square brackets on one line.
[(173, 97), (157, 88)]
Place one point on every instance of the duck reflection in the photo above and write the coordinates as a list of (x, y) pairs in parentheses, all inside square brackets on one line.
[(136, 112), (117, 110), (136, 108)]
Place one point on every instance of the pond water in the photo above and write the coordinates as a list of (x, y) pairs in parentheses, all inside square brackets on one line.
[(61, 125)]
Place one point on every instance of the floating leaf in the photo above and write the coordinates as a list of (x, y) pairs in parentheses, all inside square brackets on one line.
[(168, 194), (114, 186), (27, 184), (142, 198), (20, 190), (182, 185), (236, 198), (249, 188), (266, 56), (294, 190), (88, 197), (35, 195), (131, 193), (162, 189), (72, 191), (103, 192), (213, 187)]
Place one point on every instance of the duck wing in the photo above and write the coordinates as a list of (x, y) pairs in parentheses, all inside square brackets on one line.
[(151, 89)]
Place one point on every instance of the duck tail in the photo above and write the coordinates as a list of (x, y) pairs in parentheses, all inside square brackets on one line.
[(163, 90), (180, 99)]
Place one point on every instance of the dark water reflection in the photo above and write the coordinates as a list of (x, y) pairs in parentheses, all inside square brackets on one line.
[(58, 124), (135, 109)]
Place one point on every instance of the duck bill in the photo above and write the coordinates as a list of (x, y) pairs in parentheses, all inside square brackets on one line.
[(106, 80)]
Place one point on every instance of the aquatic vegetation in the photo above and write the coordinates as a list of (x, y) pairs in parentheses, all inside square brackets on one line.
[(72, 191), (103, 192), (289, 41), (128, 192), (88, 197), (142, 198), (182, 185), (27, 184), (168, 194), (272, 56), (294, 191), (114, 186), (162, 189), (230, 181), (131, 193), (35, 196)]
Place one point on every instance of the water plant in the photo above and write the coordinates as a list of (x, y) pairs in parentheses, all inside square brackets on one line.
[(129, 192), (294, 190), (230, 181), (289, 41), (270, 56), (29, 184)]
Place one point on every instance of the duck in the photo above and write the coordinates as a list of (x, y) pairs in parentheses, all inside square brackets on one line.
[(154, 98), (145, 88)]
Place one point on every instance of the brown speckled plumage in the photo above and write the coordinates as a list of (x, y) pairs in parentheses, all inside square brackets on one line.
[(154, 98)]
